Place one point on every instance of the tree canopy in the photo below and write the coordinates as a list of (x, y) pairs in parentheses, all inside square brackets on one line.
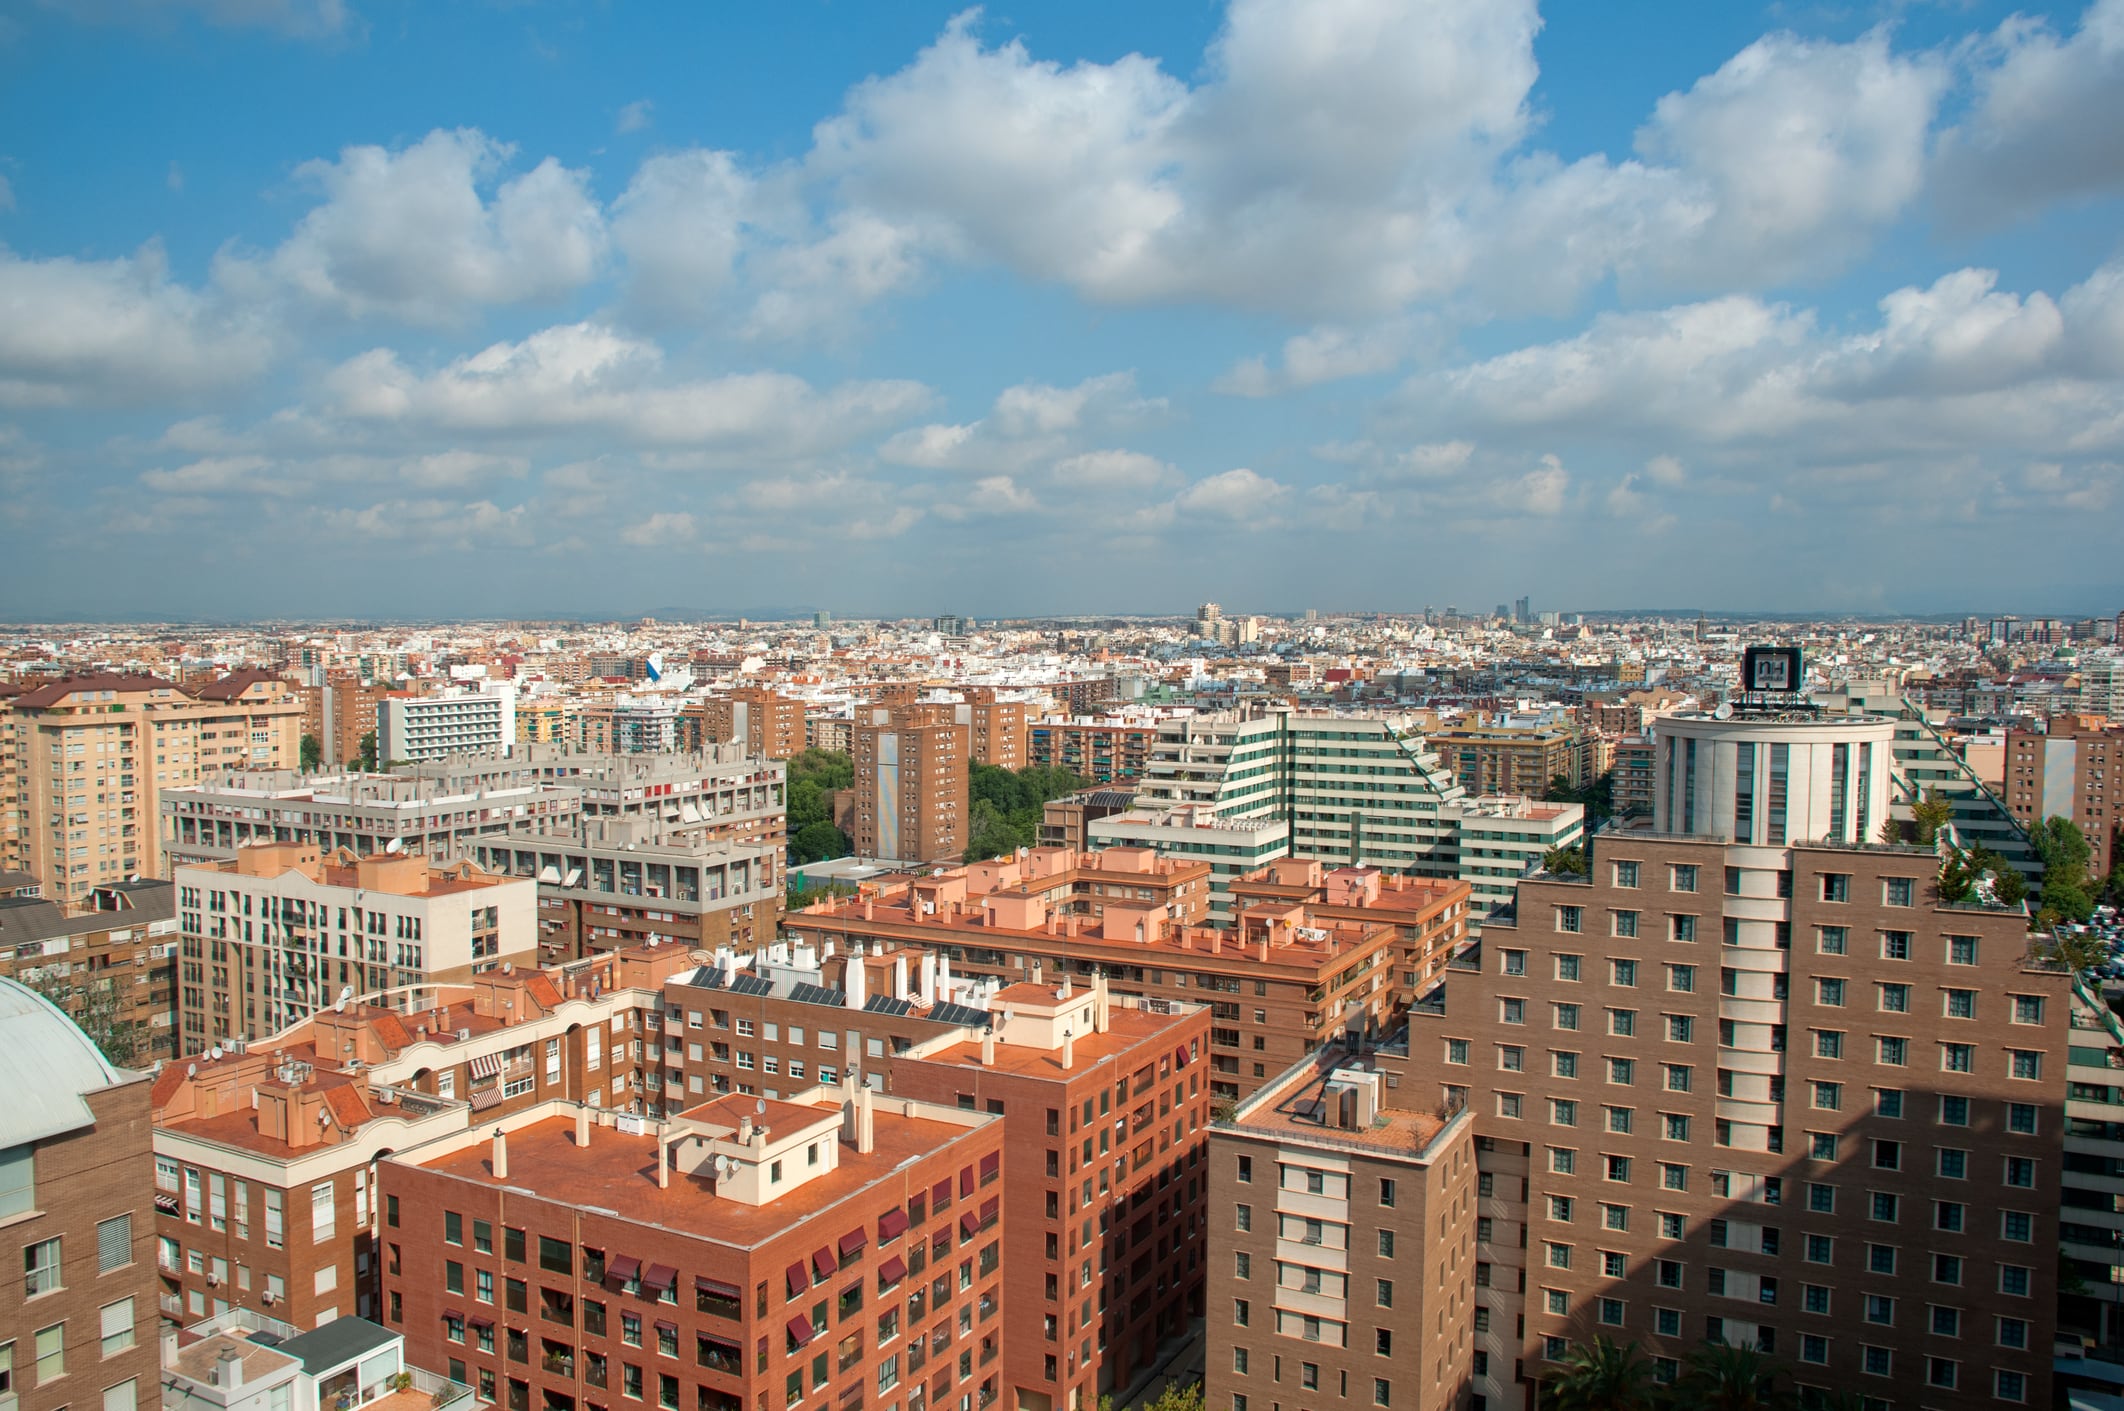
[(2067, 893), (814, 777), (1004, 805), (1597, 797)]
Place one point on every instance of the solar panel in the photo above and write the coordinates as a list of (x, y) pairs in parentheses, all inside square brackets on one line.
[(751, 985), (805, 993), (959, 1014), (886, 1004)]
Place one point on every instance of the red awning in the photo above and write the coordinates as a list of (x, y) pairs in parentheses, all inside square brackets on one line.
[(659, 1276), (852, 1243), (823, 1263), (1180, 1057), (799, 1328), (727, 1346), (482, 1322), (891, 1225), (991, 1164), (942, 1243), (966, 1181), (453, 1315), (892, 1271), (969, 1223), (989, 1207), (622, 1269), (940, 1193), (798, 1279), (665, 1327), (716, 1288)]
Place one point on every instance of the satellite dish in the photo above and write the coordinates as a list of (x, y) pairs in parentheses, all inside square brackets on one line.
[(191, 1070), (214, 1054), (1724, 711), (395, 845), (759, 1105)]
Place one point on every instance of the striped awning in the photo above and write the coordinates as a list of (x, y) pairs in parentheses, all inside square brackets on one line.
[(486, 1065), (484, 1098)]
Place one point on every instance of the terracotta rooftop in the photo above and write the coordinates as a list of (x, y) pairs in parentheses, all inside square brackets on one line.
[(1130, 1028), (229, 687), (618, 1173), (57, 691)]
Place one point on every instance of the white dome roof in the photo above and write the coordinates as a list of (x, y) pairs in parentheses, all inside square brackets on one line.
[(47, 1067)]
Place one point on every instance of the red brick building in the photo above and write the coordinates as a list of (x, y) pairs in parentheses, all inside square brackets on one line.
[(747, 1253)]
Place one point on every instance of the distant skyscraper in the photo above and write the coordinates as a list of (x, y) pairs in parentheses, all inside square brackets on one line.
[(822, 619), (1523, 610)]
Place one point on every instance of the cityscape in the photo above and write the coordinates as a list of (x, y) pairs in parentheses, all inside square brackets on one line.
[(1422, 700)]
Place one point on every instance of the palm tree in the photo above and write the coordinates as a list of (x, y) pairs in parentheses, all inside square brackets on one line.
[(1602, 1376), (1723, 1377)]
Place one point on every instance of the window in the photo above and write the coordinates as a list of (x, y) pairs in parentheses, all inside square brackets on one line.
[(1829, 992), (1512, 962), (1957, 1058), (1877, 1362), (1624, 924), (1828, 1097), (40, 1268), (2020, 1172), (1512, 1011), (1880, 1259), (1814, 1348), (1622, 1071), (1897, 891), (1833, 940), (1885, 1206), (2017, 1226), (50, 1347), (115, 1327), (1673, 1177), (1891, 1050), (1836, 886), (1820, 1249), (1954, 1111), (1681, 928), (2020, 1118), (125, 1396), (1678, 1076), (1683, 877), (1616, 1168), (1626, 874), (1511, 1058), (1618, 1119), (1880, 1310), (1895, 945), (18, 1180), (1681, 1029), (1959, 1004), (1566, 1016), (1895, 999), (1947, 1268), (1456, 1051), (1569, 918), (1961, 950), (1828, 1043), (2014, 1280), (2011, 1332), (2024, 1063), (324, 1212), (2010, 1386), (1386, 1192), (1952, 1163), (1674, 1127), (1563, 1064), (1386, 1244), (1821, 1197), (1681, 978)]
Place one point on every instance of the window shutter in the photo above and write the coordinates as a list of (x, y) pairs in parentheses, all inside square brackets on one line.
[(114, 1243)]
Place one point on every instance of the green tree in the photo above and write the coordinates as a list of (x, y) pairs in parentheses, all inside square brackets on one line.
[(1933, 812), (93, 1005), (2065, 854), (1722, 1377), (1004, 806), (1958, 878), (1565, 862), (367, 757), (312, 753), (1603, 1375), (1597, 797), (818, 841)]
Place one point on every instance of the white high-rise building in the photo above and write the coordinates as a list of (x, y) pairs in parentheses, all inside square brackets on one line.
[(460, 722)]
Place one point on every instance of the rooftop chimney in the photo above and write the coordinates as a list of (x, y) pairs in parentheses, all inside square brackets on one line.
[(1069, 1049), (228, 1369), (856, 984), (866, 1127), (582, 1127), (988, 1046), (501, 1155)]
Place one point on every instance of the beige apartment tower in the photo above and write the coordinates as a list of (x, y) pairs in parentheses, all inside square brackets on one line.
[(910, 786)]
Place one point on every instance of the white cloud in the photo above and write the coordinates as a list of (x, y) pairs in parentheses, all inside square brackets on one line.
[(1241, 495), (680, 226), (1324, 354), (296, 477), (475, 524), (415, 234), (1114, 470), (1029, 423), (1666, 470), (635, 116), (2044, 122), (110, 331), (662, 527), (589, 377)]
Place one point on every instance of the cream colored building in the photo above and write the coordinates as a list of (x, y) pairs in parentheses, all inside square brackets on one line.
[(283, 932), (86, 759)]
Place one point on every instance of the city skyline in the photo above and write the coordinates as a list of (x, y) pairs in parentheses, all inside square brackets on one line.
[(536, 310)]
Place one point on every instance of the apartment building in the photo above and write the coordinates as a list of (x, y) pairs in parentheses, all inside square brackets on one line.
[(834, 733), (1279, 983), (910, 786), (1065, 822), (1102, 751), (1502, 759), (2090, 1226), (1503, 839), (1062, 1064), (91, 755), (283, 930), (77, 1310), (111, 966), (613, 884), (265, 1153), (349, 716), (1632, 789), (2073, 770), (997, 728), (766, 723), (743, 1252), (1834, 1137), (1193, 832), (1430, 915), (1344, 1269), (459, 721)]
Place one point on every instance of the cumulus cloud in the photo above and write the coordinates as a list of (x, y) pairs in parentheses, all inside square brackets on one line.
[(1028, 423), (635, 116), (680, 226), (1114, 470), (1323, 354), (663, 527), (1240, 495), (2044, 121), (106, 331), (430, 232), (589, 377)]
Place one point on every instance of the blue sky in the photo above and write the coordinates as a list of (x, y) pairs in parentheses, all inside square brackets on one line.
[(353, 307)]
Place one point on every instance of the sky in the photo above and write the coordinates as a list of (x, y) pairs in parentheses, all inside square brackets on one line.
[(459, 308)]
